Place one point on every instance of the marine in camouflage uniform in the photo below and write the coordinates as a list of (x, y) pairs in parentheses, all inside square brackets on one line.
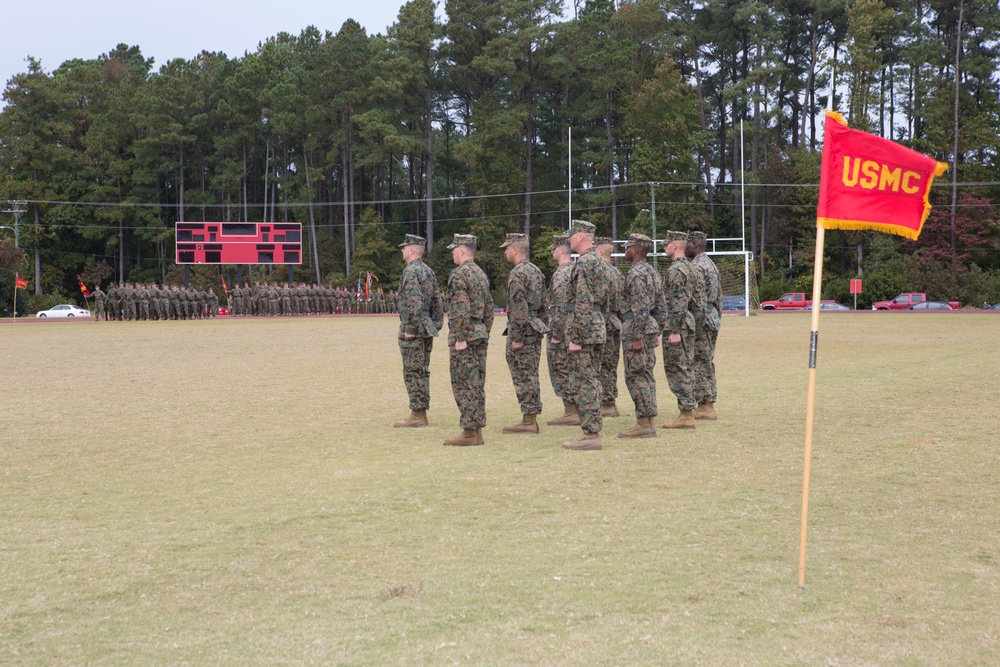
[(163, 302), (155, 301), (176, 312), (679, 328), (273, 296), (643, 304), (708, 320), (100, 299), (130, 298), (612, 346), (588, 305), (420, 318), (213, 302), (470, 320), (556, 354), (113, 307), (286, 300), (526, 326), (142, 301)]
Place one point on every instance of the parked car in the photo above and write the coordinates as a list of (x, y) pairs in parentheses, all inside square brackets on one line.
[(63, 310), (995, 306), (830, 305), (734, 302), (791, 301), (932, 305), (907, 299)]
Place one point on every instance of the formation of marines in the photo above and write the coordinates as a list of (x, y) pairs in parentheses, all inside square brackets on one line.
[(137, 301), (593, 317), (267, 299)]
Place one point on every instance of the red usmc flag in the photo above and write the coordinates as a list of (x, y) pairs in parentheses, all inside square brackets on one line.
[(867, 182)]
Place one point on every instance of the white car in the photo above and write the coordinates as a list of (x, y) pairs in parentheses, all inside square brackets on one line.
[(64, 310)]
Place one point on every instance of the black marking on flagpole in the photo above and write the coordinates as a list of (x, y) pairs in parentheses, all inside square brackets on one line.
[(813, 340)]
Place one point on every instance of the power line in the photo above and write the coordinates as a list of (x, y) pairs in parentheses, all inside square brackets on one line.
[(452, 198)]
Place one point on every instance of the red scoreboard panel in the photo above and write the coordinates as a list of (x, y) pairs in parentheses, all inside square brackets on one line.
[(238, 242)]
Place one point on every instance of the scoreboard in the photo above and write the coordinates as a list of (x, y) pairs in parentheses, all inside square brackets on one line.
[(238, 242)]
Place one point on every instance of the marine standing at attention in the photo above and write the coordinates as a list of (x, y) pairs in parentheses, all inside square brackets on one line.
[(470, 319), (420, 318), (556, 354), (609, 359), (678, 329), (588, 300), (708, 320), (526, 317), (643, 306)]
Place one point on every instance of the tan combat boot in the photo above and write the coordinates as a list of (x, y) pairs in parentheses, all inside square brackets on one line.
[(528, 424), (610, 410), (684, 420), (571, 416), (585, 443), (416, 419), (705, 411), (470, 438), (643, 429)]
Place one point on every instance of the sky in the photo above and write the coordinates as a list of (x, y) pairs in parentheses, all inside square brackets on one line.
[(53, 31)]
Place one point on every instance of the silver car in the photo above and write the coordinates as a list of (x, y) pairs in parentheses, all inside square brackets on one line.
[(64, 310)]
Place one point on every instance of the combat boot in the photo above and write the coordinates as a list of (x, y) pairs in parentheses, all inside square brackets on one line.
[(416, 419), (470, 438), (705, 411), (610, 410), (571, 416), (643, 429), (684, 420), (528, 424), (585, 443)]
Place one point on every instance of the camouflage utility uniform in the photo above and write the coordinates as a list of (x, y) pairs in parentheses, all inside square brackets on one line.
[(708, 320), (612, 346), (526, 317), (588, 303), (555, 353), (417, 290), (642, 303), (677, 359), (470, 319)]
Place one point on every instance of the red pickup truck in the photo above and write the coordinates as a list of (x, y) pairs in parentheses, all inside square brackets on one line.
[(907, 299), (789, 301)]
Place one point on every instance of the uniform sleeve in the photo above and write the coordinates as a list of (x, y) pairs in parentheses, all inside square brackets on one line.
[(578, 320), (678, 297), (460, 307), (410, 303), (633, 311), (517, 305)]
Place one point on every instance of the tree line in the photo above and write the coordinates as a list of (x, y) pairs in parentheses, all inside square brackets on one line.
[(494, 117)]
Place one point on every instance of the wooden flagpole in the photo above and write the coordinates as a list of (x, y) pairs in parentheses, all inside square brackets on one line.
[(811, 398)]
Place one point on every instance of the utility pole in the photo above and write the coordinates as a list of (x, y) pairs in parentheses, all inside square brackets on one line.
[(17, 211)]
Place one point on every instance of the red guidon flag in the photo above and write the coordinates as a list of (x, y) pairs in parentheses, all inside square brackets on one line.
[(19, 282), (83, 288), (867, 182)]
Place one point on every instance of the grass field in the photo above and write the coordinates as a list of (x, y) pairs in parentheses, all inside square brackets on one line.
[(232, 492)]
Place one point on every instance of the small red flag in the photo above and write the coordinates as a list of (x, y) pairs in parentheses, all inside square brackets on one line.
[(224, 288), (19, 282), (867, 182), (83, 288)]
